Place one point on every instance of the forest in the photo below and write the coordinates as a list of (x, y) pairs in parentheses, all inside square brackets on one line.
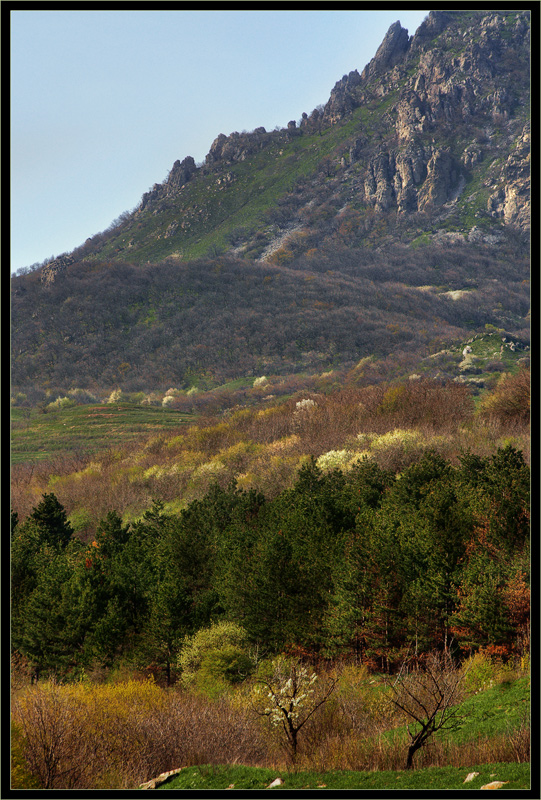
[(356, 565)]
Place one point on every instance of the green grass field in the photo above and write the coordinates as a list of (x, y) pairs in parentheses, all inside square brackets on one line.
[(515, 776), (85, 429)]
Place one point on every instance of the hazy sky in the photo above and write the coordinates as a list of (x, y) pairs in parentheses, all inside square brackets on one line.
[(104, 102)]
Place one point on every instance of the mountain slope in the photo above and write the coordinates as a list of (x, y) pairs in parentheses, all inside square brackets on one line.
[(436, 124), (389, 221)]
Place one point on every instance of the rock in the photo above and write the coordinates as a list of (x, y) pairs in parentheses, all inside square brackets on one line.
[(494, 785), (237, 146), (215, 152), (50, 271), (442, 177), (160, 779), (470, 776), (276, 782), (343, 98), (390, 52), (171, 229), (181, 173)]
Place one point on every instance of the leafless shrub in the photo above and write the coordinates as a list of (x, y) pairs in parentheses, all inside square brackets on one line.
[(56, 749), (120, 736)]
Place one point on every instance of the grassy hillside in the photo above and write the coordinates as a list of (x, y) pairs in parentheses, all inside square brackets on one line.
[(81, 430)]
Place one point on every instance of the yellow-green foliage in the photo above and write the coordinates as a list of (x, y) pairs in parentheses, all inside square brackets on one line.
[(482, 671), (83, 731), (115, 396), (403, 438), (363, 698), (392, 399), (21, 777), (80, 519), (208, 473), (271, 474), (61, 402), (239, 454), (214, 657), (212, 438), (337, 459)]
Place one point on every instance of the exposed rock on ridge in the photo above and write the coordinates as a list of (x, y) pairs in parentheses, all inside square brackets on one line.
[(50, 271), (436, 123)]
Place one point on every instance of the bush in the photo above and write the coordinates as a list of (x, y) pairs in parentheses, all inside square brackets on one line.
[(116, 736), (21, 777), (214, 658), (481, 671), (115, 396), (510, 401), (61, 402)]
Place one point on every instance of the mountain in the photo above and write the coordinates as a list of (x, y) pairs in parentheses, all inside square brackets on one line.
[(393, 218)]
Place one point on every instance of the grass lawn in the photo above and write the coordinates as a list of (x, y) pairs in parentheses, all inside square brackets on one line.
[(516, 776)]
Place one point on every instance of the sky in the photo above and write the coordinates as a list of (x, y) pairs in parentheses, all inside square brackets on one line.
[(103, 102)]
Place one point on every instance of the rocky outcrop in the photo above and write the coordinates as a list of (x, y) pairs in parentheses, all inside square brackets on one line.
[(51, 271), (181, 173), (391, 51), (413, 179), (441, 181), (237, 146), (510, 201), (343, 98)]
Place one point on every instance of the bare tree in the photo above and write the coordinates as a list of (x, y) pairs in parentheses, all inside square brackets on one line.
[(430, 697)]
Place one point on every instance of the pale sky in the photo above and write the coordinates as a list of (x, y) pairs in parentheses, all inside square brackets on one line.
[(104, 102)]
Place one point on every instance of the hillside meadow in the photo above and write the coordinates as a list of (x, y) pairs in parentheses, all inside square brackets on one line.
[(121, 455)]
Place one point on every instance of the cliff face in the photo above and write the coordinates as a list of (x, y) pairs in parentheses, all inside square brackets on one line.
[(460, 75), (435, 129)]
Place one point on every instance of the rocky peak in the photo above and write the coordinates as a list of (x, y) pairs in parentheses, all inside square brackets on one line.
[(430, 27), (390, 52), (437, 126), (181, 172)]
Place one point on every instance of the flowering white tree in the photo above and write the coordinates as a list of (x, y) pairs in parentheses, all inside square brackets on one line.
[(289, 696), (115, 396)]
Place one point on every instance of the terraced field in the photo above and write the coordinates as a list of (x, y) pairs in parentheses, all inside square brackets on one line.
[(85, 429)]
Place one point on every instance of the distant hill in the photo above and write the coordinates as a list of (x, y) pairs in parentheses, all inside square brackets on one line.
[(392, 219)]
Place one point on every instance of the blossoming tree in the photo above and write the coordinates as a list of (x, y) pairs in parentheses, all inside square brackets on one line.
[(289, 696)]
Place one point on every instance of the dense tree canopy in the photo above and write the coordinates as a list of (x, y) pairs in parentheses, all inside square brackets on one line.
[(363, 564)]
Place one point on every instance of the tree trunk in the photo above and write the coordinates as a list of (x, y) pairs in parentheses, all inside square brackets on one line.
[(412, 749)]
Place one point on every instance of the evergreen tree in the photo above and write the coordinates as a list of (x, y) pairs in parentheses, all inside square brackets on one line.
[(50, 517), (52, 626)]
